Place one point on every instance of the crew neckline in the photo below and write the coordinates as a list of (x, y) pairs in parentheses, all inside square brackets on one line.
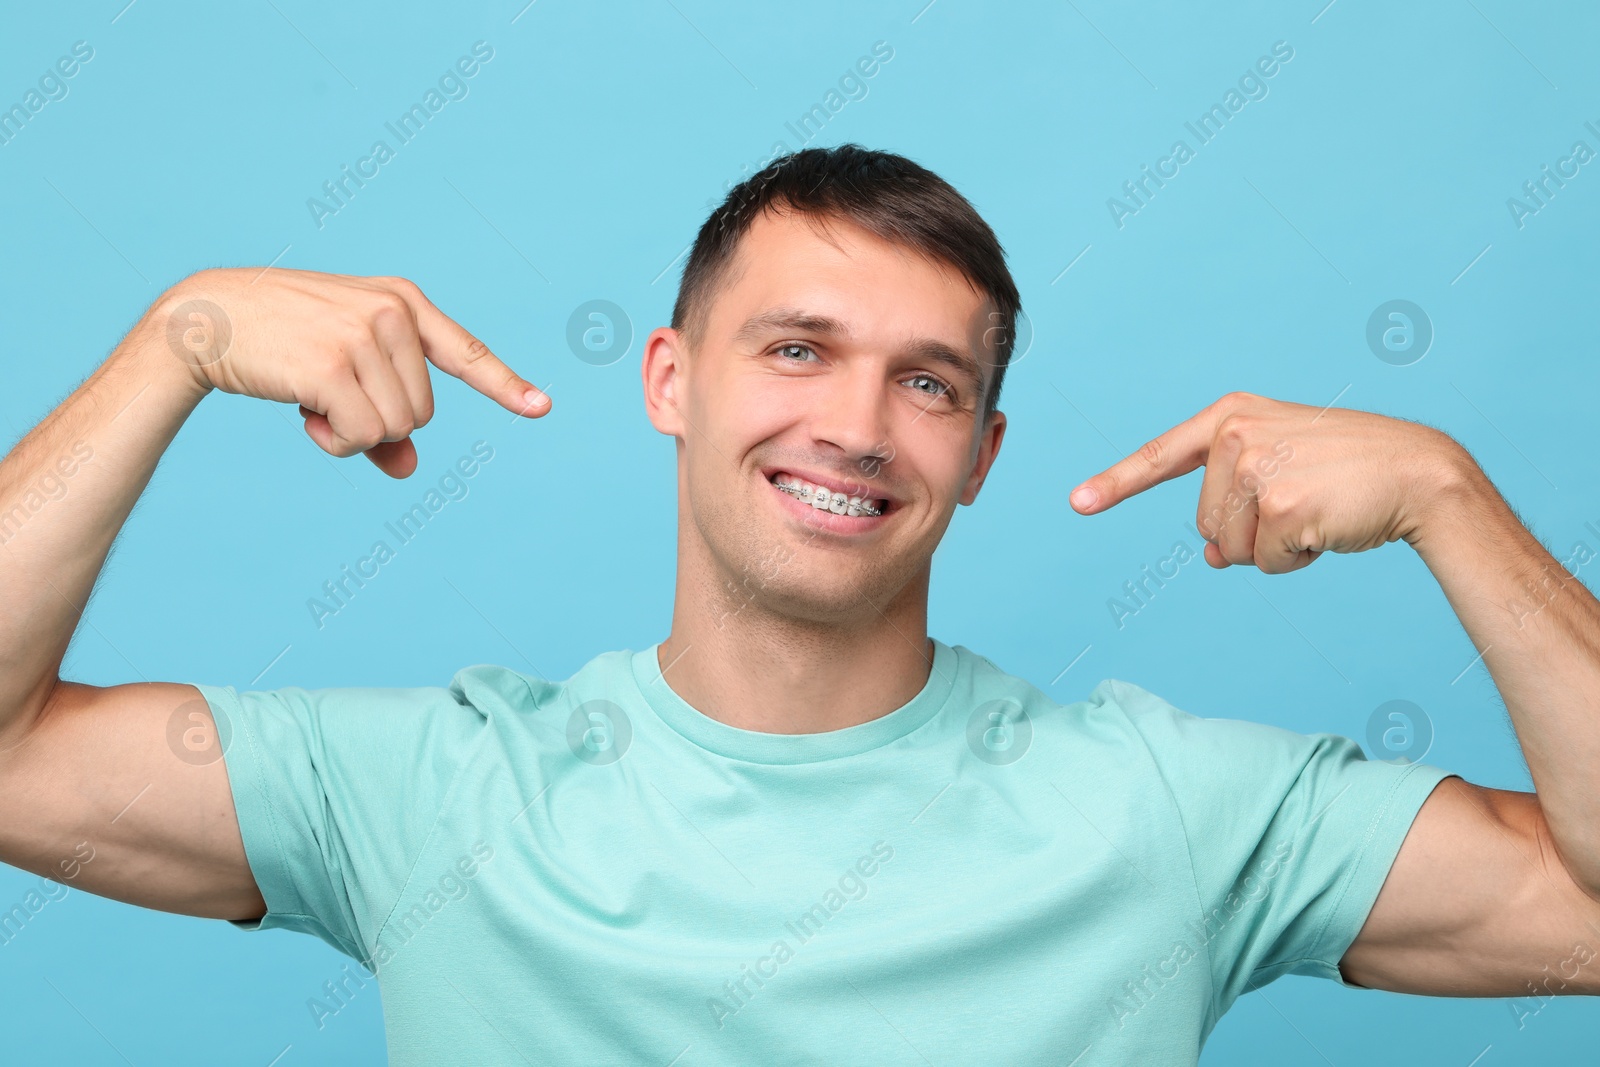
[(756, 746)]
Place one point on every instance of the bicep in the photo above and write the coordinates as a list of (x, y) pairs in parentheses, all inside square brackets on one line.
[(122, 792), (1478, 903)]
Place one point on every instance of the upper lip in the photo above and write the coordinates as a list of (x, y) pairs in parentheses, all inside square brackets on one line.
[(864, 490)]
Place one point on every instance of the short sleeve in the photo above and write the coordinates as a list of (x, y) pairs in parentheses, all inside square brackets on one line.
[(1290, 835), (336, 792)]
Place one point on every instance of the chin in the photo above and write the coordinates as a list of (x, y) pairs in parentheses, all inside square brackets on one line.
[(823, 611), (779, 569), (818, 591)]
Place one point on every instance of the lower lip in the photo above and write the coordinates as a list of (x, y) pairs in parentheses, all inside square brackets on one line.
[(823, 519)]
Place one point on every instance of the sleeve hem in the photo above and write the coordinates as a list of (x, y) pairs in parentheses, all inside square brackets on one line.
[(258, 822), (1360, 888)]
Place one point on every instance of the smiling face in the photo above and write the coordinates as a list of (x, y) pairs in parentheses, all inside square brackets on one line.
[(837, 375)]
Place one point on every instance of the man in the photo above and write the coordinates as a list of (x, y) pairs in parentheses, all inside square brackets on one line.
[(799, 828)]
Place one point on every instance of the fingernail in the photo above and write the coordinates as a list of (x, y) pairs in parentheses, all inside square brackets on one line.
[(533, 398), (1084, 497)]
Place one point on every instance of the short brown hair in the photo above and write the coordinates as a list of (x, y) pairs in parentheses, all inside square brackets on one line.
[(887, 195)]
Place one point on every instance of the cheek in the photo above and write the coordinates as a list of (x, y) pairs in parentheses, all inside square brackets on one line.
[(742, 412), (942, 454)]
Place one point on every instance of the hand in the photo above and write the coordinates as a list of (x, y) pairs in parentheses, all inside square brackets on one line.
[(1286, 482), (352, 352)]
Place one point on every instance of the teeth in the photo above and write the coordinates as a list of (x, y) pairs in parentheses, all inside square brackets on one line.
[(827, 500)]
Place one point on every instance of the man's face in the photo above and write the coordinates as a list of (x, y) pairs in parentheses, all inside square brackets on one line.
[(830, 361)]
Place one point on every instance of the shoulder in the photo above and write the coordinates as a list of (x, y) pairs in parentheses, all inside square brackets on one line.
[(492, 690), (1115, 710), (398, 718)]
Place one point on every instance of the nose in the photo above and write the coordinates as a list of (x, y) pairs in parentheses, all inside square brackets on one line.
[(852, 415)]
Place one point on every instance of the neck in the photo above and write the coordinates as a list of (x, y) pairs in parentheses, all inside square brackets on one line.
[(750, 666)]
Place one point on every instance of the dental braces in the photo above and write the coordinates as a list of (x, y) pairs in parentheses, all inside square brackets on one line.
[(807, 495)]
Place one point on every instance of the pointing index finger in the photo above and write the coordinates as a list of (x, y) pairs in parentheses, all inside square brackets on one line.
[(454, 350), (1180, 450)]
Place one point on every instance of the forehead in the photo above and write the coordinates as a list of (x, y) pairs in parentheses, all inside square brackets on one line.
[(835, 267)]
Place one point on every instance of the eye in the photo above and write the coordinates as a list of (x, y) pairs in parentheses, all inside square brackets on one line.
[(938, 386), (784, 349)]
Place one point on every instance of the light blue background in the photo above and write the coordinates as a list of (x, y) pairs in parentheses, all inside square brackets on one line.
[(579, 167)]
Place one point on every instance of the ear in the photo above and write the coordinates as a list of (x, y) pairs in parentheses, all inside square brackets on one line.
[(663, 369), (988, 449)]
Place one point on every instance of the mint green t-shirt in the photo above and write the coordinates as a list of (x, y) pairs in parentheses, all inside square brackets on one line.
[(593, 872)]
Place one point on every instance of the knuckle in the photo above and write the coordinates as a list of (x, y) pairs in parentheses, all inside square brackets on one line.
[(365, 433), (1152, 452), (399, 426), (404, 286), (329, 360), (1274, 507), (389, 309), (1235, 429), (353, 331)]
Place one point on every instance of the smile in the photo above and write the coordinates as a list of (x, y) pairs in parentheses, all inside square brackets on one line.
[(823, 499)]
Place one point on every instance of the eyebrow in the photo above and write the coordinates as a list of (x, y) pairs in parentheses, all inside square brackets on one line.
[(786, 319)]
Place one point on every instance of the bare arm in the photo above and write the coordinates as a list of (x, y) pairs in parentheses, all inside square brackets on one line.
[(1497, 893), (1493, 892), (65, 491), (115, 789), (1538, 629), (1479, 904)]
